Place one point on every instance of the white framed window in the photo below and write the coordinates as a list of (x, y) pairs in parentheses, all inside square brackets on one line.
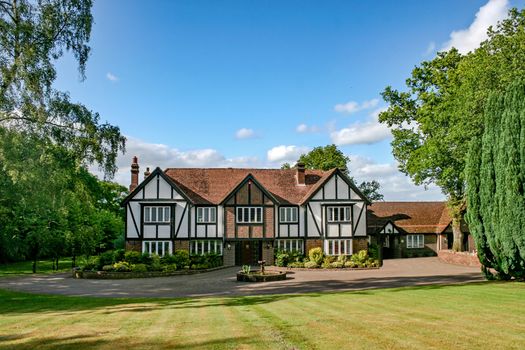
[(338, 247), (157, 214), (249, 215), (290, 245), (207, 246), (288, 214), (157, 247), (206, 215), (338, 214), (415, 241), (386, 242)]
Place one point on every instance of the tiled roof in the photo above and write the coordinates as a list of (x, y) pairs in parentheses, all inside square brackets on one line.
[(212, 185), (411, 217)]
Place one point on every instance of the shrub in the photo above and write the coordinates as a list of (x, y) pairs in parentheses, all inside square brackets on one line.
[(169, 268), (316, 255), (373, 251), (342, 259), (146, 259), (155, 263), (118, 255), (360, 259), (90, 263), (337, 264), (106, 258), (282, 258), (311, 265), (122, 266), (295, 256), (139, 268), (350, 264), (182, 257), (108, 268), (246, 269), (296, 264), (132, 257)]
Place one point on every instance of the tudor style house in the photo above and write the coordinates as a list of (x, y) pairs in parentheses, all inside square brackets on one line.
[(244, 214)]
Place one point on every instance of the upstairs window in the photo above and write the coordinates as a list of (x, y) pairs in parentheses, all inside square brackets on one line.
[(249, 215), (288, 214), (338, 214), (206, 215), (157, 214)]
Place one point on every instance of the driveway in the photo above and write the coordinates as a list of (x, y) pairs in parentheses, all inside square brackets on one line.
[(394, 273)]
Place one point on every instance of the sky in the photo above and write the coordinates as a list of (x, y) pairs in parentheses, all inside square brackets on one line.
[(257, 83)]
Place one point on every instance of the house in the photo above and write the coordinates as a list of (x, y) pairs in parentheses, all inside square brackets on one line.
[(244, 214), (412, 229)]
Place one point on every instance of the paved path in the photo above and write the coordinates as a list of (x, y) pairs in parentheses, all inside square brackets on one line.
[(395, 273)]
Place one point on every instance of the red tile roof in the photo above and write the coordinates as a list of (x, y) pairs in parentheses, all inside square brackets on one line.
[(212, 185), (411, 217)]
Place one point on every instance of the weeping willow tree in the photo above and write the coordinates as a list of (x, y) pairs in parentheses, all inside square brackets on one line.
[(495, 174)]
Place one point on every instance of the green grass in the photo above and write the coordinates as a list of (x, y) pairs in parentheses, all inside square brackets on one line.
[(473, 316), (26, 267)]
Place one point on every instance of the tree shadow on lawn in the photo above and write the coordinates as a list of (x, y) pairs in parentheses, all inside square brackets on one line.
[(13, 303), (84, 341)]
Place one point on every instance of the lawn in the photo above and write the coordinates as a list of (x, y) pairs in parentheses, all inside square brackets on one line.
[(26, 267), (473, 316)]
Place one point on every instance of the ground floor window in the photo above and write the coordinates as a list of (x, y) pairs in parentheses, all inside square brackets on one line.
[(415, 241), (386, 241), (205, 247), (338, 247), (157, 247), (290, 245)]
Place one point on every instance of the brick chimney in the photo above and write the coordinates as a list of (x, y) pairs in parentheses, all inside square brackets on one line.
[(300, 173), (147, 173), (134, 174)]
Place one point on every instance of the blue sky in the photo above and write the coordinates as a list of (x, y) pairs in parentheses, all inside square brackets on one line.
[(255, 83)]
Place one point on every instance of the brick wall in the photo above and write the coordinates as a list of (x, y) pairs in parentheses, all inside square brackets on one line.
[(229, 255), (459, 258), (269, 222), (181, 245), (268, 254), (230, 222), (359, 244), (134, 245), (313, 243)]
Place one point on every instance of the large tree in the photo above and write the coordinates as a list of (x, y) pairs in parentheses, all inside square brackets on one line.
[(330, 157), (33, 35), (496, 184), (441, 111)]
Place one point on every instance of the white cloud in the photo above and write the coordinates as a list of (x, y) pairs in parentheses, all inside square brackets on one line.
[(111, 77), (353, 106), (159, 155), (466, 40), (284, 153), (430, 49), (304, 128), (368, 132), (395, 186), (244, 133)]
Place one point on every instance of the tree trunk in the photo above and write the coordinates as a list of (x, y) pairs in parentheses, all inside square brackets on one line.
[(457, 246), (74, 261), (56, 263), (34, 264)]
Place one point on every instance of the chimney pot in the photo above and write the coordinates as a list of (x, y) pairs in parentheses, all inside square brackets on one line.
[(147, 173), (134, 173), (300, 175)]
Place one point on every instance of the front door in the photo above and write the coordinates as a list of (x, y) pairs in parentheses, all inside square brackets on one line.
[(249, 252)]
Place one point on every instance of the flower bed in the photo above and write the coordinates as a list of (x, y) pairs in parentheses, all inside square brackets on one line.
[(316, 259), (257, 276), (126, 275)]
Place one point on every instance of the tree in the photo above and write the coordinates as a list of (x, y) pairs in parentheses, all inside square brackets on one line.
[(495, 174), (325, 158), (330, 157), (33, 34), (371, 190), (434, 121)]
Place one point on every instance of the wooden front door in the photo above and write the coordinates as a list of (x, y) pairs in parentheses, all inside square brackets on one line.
[(249, 252)]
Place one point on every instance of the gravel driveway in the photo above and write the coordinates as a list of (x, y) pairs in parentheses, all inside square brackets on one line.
[(395, 273)]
